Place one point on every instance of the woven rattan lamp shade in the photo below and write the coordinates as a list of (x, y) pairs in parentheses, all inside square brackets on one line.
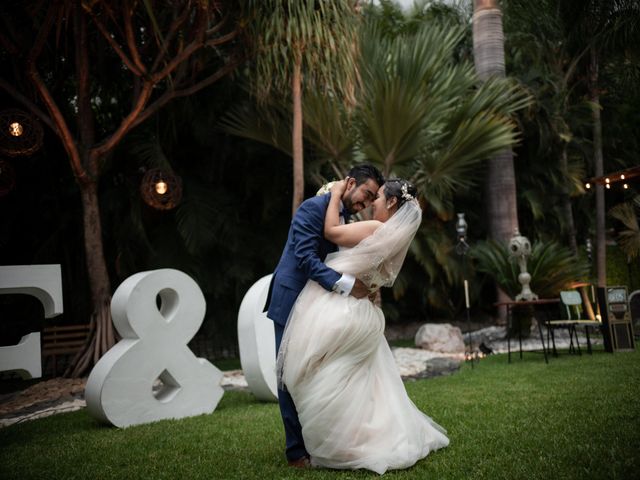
[(20, 133), (161, 189)]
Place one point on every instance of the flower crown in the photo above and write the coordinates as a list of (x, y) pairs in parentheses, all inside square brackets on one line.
[(406, 196), (326, 188)]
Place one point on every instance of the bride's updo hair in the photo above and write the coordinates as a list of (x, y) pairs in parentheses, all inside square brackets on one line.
[(401, 189)]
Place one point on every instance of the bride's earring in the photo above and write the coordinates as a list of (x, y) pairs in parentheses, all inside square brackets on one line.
[(388, 206)]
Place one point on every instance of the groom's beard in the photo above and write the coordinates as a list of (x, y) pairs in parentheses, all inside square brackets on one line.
[(349, 205)]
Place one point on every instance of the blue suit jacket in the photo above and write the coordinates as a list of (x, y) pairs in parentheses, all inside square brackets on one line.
[(302, 259)]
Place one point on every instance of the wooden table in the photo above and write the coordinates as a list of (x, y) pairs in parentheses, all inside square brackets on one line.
[(513, 304)]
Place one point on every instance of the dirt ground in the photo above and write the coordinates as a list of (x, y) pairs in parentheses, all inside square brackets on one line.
[(41, 395)]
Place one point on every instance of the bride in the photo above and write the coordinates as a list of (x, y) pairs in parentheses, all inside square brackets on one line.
[(334, 359)]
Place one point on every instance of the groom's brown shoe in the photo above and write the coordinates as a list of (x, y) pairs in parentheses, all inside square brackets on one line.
[(303, 462)]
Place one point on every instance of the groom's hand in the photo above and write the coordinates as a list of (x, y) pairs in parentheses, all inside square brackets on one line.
[(359, 290)]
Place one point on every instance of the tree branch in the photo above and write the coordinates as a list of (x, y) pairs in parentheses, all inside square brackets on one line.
[(194, 46), (223, 39), (171, 94), (116, 48), (9, 45), (218, 26), (127, 123), (62, 128), (28, 104), (177, 60), (175, 25), (130, 37)]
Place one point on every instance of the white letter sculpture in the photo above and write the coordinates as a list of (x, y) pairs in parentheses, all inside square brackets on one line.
[(154, 346), (257, 341), (45, 283)]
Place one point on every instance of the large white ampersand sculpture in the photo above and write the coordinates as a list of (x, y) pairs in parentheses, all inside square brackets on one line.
[(257, 341), (154, 346)]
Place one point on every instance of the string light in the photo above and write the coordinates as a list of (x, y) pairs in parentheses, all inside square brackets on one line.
[(611, 181)]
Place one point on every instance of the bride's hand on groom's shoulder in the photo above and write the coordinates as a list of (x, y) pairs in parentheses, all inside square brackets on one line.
[(339, 187)]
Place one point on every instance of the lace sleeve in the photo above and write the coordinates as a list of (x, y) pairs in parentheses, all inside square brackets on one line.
[(377, 259)]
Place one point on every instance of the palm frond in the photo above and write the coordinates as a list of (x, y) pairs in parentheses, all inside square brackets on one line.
[(552, 267), (628, 238), (322, 34), (268, 126), (203, 219)]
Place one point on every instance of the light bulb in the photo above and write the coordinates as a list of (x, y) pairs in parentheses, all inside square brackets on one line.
[(161, 187), (15, 129), (606, 180), (622, 177), (625, 186), (608, 185), (587, 185)]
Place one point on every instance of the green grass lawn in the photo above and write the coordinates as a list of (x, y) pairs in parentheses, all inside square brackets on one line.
[(577, 417)]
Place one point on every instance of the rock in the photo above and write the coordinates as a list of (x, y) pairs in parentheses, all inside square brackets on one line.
[(436, 367), (440, 337), (487, 335), (411, 361)]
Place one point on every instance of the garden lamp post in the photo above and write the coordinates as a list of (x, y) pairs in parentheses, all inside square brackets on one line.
[(462, 247)]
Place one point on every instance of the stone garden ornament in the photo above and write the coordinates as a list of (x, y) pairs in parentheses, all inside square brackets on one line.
[(520, 251)]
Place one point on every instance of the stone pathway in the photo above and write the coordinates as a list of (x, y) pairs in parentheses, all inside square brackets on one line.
[(59, 395)]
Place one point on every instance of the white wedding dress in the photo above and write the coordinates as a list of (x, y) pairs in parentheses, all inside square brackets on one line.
[(337, 365)]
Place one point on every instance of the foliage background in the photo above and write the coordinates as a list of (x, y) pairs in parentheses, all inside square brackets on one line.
[(231, 226)]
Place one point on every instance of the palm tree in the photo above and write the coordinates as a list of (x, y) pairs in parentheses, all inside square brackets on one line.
[(488, 52), (420, 114), (304, 44)]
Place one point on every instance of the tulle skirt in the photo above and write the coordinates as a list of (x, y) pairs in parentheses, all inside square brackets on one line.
[(352, 404)]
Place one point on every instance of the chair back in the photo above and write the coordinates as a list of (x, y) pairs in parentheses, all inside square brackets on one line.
[(572, 298)]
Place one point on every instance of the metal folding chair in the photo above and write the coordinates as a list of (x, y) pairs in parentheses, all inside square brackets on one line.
[(572, 302)]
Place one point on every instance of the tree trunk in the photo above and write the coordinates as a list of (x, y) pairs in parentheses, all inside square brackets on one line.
[(488, 53), (601, 247), (501, 197), (102, 336), (101, 332), (296, 140), (566, 204)]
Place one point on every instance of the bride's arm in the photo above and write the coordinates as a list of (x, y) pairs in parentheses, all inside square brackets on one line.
[(344, 235)]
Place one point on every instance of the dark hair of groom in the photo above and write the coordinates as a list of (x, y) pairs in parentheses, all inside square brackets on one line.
[(364, 172)]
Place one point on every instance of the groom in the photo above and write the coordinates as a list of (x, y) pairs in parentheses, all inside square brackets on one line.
[(302, 259)]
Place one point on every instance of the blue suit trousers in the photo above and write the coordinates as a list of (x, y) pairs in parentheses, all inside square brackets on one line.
[(292, 428)]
